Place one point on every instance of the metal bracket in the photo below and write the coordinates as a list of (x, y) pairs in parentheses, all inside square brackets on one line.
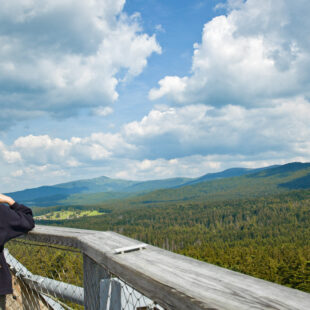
[(131, 248)]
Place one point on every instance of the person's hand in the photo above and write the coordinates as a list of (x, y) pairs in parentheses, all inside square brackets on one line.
[(6, 199)]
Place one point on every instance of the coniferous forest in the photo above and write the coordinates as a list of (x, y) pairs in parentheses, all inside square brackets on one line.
[(266, 237)]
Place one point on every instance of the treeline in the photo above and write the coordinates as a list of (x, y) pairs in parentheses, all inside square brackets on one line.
[(265, 237)]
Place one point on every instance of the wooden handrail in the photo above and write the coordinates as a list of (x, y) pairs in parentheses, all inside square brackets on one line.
[(174, 281)]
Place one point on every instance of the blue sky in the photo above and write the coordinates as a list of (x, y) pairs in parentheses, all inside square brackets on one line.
[(148, 89)]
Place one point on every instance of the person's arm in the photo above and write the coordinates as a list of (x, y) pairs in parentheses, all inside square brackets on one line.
[(6, 199), (18, 218)]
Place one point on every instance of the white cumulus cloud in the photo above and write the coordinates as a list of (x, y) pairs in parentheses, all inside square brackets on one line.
[(44, 150), (258, 52), (59, 56), (169, 141), (9, 157), (103, 111), (282, 128)]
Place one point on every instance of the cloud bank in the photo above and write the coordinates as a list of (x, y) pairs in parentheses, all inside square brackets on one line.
[(57, 57), (169, 141)]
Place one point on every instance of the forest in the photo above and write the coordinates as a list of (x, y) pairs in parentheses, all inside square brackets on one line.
[(266, 237)]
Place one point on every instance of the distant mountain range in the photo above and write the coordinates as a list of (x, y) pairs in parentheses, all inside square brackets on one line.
[(255, 183), (230, 183), (111, 188)]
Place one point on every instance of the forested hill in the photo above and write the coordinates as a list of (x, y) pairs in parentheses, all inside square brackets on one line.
[(275, 180), (229, 184), (109, 189), (229, 173), (105, 189)]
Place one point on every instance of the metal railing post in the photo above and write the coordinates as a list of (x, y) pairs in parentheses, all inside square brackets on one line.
[(110, 294), (93, 274)]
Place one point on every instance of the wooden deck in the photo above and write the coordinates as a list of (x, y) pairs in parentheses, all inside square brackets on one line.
[(172, 280)]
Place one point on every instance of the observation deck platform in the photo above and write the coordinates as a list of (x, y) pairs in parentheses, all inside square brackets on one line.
[(118, 272)]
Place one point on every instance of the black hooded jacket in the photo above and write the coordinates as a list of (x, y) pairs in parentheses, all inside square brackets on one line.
[(14, 221)]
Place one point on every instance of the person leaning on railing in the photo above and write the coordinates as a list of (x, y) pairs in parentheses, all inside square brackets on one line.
[(15, 220)]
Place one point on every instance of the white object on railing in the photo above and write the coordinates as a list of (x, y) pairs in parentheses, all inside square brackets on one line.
[(131, 248)]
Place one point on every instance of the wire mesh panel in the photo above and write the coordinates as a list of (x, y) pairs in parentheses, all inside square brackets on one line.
[(44, 276), (49, 276), (106, 291)]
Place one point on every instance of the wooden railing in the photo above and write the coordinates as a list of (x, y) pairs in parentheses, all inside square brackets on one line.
[(173, 281)]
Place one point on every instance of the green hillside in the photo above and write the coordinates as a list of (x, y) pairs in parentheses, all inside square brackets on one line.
[(102, 192), (262, 183), (228, 173), (67, 214), (103, 188)]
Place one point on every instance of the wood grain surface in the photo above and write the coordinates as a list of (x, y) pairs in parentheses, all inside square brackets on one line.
[(175, 281)]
